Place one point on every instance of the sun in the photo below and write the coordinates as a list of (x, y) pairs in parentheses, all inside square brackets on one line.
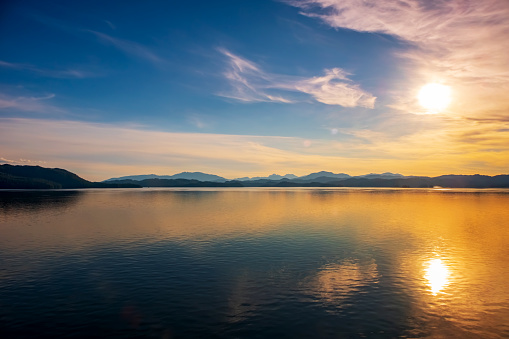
[(435, 97)]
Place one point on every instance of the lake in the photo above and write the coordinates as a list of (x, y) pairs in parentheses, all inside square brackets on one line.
[(254, 263)]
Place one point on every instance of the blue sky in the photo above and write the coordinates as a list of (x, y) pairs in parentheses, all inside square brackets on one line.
[(253, 87)]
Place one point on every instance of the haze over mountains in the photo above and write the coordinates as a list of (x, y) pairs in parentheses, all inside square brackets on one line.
[(36, 177)]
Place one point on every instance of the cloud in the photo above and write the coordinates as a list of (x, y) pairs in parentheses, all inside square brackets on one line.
[(249, 83), (466, 34), (75, 73), (110, 24), (21, 162), (29, 104), (463, 43), (130, 48), (197, 121), (334, 88)]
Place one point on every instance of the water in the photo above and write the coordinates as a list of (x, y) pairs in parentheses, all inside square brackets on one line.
[(254, 263)]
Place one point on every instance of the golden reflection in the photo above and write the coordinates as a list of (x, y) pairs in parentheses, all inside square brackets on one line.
[(336, 282), (105, 216), (437, 275)]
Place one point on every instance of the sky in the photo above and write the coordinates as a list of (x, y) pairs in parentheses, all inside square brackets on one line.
[(254, 87)]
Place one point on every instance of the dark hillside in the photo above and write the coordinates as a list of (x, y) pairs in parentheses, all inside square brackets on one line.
[(36, 177)]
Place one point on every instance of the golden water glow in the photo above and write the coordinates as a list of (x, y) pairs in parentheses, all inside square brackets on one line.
[(437, 274), (451, 244), (435, 97)]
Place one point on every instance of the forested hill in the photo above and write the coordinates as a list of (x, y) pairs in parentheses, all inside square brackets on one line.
[(36, 177)]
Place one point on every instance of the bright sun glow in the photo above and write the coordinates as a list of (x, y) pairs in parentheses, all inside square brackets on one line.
[(435, 97), (437, 274)]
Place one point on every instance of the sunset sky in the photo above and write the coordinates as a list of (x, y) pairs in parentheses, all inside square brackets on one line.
[(254, 87)]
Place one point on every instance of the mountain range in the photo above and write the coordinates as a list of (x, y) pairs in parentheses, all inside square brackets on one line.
[(36, 177), (184, 175), (215, 178)]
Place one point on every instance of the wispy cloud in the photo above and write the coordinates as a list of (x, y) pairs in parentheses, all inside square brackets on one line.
[(29, 104), (464, 43), (21, 161), (468, 35), (197, 121), (110, 24), (70, 73), (130, 48), (334, 88), (250, 83)]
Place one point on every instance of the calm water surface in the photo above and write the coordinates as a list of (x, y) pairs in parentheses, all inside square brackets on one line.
[(255, 263)]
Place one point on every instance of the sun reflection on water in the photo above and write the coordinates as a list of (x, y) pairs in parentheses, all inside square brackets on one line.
[(437, 274)]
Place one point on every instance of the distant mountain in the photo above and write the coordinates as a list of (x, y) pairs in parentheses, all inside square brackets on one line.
[(157, 182), (386, 175), (322, 180), (184, 175), (36, 177), (325, 177), (198, 176), (270, 177), (137, 177), (446, 181), (324, 174), (322, 177)]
